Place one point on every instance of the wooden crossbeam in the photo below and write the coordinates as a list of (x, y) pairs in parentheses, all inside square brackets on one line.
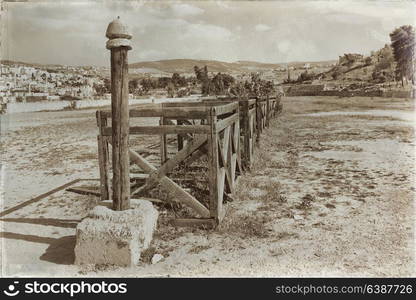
[(168, 112), (162, 129)]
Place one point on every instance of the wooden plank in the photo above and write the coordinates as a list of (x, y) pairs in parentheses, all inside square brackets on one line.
[(230, 166), (221, 124), (103, 159), (268, 111), (83, 191), (251, 140), (184, 197), (169, 112), (38, 198), (213, 165), (225, 167), (227, 108), (258, 120), (246, 131), (236, 147), (180, 136), (139, 176), (163, 144), (163, 129), (141, 162)]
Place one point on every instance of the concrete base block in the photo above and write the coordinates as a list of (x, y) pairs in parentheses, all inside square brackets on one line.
[(115, 237)]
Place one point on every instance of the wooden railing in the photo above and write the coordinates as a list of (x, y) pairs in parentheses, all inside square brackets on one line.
[(224, 131)]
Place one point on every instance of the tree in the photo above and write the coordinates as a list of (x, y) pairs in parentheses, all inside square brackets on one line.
[(133, 85), (305, 76), (107, 85), (178, 80), (171, 90), (403, 43), (368, 61), (336, 74), (99, 89), (146, 84), (202, 76), (384, 69)]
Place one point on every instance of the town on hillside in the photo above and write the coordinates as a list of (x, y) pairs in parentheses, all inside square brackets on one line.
[(352, 74)]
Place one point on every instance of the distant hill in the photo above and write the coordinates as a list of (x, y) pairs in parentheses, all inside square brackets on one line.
[(187, 65), (35, 65)]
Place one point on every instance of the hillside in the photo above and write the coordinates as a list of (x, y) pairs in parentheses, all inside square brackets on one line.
[(187, 65), (26, 64), (378, 67)]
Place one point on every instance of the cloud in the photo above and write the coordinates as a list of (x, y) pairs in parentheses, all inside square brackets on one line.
[(262, 27), (151, 54), (74, 32), (183, 9), (207, 32)]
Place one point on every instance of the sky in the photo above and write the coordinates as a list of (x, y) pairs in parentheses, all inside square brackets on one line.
[(73, 33)]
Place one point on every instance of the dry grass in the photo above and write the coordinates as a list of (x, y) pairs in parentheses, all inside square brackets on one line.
[(198, 248), (245, 226)]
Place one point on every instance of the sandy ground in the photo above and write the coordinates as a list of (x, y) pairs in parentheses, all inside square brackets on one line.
[(331, 194)]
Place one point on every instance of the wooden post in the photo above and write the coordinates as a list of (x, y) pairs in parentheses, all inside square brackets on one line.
[(163, 144), (215, 191), (119, 44), (258, 119), (267, 111), (103, 158), (180, 136), (246, 131)]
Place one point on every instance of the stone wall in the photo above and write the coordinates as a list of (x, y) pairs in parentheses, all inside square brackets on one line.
[(20, 107), (319, 90)]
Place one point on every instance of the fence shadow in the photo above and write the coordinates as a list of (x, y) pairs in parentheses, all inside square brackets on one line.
[(70, 223), (60, 250)]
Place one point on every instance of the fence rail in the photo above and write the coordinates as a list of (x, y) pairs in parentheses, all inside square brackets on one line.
[(224, 131)]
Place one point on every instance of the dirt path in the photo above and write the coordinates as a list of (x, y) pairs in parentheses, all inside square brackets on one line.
[(330, 195)]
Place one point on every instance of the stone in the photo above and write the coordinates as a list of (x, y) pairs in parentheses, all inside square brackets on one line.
[(113, 237), (298, 217), (157, 258), (116, 29)]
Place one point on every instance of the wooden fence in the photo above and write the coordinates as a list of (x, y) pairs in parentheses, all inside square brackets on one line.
[(224, 132)]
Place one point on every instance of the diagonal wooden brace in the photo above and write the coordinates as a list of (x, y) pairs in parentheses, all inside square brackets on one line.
[(170, 186), (181, 156)]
